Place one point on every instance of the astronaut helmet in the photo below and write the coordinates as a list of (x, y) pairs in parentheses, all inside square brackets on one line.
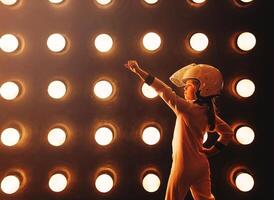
[(209, 78)]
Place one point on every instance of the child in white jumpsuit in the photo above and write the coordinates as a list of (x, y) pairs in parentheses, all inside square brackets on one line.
[(195, 115)]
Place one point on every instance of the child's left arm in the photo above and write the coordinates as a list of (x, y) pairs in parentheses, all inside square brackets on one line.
[(226, 136)]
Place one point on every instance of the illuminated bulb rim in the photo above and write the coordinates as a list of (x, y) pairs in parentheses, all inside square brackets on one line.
[(151, 126), (236, 171), (18, 173), (66, 46), (67, 89), (20, 40), (108, 126), (66, 135), (19, 131), (187, 43), (147, 50), (105, 170), (194, 4), (110, 4), (236, 82), (113, 85), (147, 125), (141, 86), (151, 4), (235, 43), (20, 89), (15, 4), (62, 126), (150, 170), (113, 39), (61, 170), (243, 4), (58, 3), (243, 126)]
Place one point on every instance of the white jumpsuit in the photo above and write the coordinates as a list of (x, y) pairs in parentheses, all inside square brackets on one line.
[(190, 168)]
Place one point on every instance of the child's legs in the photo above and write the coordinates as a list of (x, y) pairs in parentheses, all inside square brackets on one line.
[(176, 192), (201, 190)]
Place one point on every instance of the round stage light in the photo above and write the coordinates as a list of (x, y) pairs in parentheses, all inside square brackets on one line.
[(57, 89), (151, 41), (198, 42), (245, 88), (9, 90)]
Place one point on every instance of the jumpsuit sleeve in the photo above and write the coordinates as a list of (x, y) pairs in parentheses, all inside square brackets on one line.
[(224, 130), (175, 102)]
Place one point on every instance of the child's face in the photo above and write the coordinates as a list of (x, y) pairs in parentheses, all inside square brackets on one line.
[(190, 90)]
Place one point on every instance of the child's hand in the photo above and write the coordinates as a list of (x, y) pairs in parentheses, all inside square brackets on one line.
[(208, 152), (132, 65)]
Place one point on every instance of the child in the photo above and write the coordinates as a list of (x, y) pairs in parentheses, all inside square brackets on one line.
[(195, 115)]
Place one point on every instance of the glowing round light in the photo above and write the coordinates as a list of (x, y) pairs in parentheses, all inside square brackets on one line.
[(8, 2), (9, 90), (198, 41), (244, 182), (57, 89), (246, 41), (205, 137), (151, 41), (56, 1), (9, 43), (245, 135), (151, 182), (246, 1), (104, 183), (245, 88), (151, 135), (103, 136), (103, 43), (57, 137), (198, 1), (56, 42), (151, 1), (148, 91), (103, 89), (103, 2), (58, 182), (10, 184), (10, 136)]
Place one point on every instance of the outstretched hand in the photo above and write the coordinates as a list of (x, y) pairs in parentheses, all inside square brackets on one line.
[(132, 65)]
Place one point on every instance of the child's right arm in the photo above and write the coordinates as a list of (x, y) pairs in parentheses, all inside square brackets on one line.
[(163, 90)]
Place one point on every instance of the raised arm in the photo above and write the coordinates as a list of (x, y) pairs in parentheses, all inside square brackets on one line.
[(163, 90)]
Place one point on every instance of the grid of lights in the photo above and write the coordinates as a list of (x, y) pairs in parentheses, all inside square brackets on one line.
[(103, 89)]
